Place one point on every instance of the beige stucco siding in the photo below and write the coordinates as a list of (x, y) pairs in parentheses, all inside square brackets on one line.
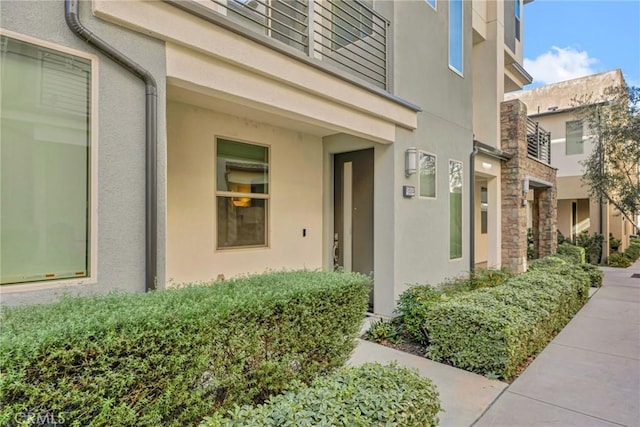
[(572, 187), (295, 197)]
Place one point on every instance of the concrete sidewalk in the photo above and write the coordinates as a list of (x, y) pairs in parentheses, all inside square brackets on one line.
[(589, 375)]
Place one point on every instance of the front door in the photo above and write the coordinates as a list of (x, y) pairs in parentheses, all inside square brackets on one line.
[(353, 212)]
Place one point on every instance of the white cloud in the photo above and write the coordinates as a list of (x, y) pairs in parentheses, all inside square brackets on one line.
[(560, 64)]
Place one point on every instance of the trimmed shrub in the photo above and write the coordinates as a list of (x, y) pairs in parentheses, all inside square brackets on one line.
[(576, 253), (633, 251), (173, 357), (546, 262), (595, 274), (478, 333), (619, 260), (415, 302), (364, 396), (492, 331)]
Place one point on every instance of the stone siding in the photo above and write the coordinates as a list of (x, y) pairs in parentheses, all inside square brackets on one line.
[(513, 127)]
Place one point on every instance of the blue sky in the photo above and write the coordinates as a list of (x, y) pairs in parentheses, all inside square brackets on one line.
[(565, 39)]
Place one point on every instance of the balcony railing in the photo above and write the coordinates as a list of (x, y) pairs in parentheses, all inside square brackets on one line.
[(538, 142), (347, 34)]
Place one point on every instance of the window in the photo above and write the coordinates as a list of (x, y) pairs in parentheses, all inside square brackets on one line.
[(455, 35), (484, 210), (432, 3), (455, 209), (517, 10), (353, 21), (242, 175), (427, 175), (574, 144), (45, 163)]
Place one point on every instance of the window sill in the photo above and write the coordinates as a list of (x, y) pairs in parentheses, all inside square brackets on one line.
[(40, 286)]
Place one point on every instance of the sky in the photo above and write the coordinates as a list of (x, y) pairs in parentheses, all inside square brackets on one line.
[(566, 39)]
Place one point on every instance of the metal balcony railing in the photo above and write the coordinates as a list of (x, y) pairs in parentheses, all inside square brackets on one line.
[(538, 142), (348, 34)]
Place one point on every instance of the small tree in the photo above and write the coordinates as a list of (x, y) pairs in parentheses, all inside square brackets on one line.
[(611, 170)]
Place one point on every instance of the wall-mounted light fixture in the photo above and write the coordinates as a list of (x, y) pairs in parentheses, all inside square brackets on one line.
[(410, 161), (525, 190)]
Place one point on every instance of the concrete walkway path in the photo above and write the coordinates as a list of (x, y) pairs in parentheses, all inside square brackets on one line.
[(589, 375)]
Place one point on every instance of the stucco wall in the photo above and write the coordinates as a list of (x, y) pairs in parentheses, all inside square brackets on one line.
[(567, 165), (121, 135), (295, 197), (444, 128)]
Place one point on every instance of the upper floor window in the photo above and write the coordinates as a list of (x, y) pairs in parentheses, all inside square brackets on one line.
[(455, 35), (432, 3), (242, 192), (517, 10), (574, 143), (45, 163)]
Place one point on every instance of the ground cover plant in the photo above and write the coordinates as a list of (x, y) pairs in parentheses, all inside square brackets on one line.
[(363, 396), (173, 357)]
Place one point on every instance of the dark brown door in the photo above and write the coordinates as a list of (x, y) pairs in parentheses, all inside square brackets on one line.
[(353, 212)]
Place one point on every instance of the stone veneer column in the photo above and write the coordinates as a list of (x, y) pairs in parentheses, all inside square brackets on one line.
[(546, 223), (513, 135)]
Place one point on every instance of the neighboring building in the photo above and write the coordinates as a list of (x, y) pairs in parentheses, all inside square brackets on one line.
[(553, 107), (289, 135)]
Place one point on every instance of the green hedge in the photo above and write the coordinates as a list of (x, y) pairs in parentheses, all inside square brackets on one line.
[(493, 331), (173, 357), (595, 274), (368, 395), (619, 260), (633, 251), (577, 254), (415, 302)]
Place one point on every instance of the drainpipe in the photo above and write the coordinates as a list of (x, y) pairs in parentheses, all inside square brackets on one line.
[(472, 211), (72, 18)]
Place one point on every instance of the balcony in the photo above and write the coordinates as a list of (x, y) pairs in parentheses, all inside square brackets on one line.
[(538, 142), (344, 34)]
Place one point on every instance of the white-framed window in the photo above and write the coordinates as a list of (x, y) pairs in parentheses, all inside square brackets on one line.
[(48, 157), (455, 209), (456, 38), (431, 3), (573, 138), (427, 175), (242, 194)]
